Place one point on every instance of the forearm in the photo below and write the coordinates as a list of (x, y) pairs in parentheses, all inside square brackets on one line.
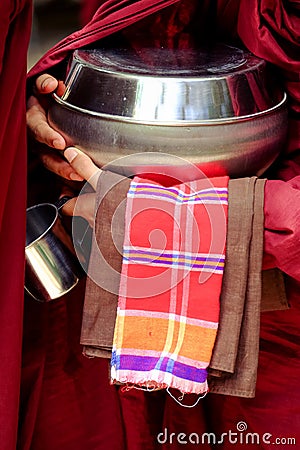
[(282, 225)]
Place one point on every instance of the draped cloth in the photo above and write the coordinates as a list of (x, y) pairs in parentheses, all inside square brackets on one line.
[(235, 354), (15, 23), (169, 295), (111, 16), (65, 400)]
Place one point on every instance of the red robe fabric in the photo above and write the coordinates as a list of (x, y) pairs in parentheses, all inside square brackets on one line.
[(67, 402), (87, 10), (15, 24)]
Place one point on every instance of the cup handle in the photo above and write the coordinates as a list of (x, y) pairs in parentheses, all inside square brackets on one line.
[(83, 239), (61, 201)]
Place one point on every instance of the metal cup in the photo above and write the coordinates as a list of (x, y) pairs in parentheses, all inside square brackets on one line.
[(52, 266)]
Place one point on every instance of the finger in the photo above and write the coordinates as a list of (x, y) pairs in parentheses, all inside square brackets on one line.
[(61, 88), (82, 206), (69, 207), (45, 84), (37, 123), (83, 165), (55, 163)]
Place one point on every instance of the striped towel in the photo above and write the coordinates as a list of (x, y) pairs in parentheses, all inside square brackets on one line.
[(173, 261)]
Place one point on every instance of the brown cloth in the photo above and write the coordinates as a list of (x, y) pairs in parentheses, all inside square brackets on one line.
[(101, 295), (234, 360), (233, 365)]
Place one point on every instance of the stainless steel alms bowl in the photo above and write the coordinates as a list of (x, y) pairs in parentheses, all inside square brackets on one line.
[(218, 108)]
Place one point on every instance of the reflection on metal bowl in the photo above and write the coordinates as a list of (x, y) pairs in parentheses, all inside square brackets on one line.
[(217, 108)]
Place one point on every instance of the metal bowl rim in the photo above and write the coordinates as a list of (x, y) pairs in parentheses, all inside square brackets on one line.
[(179, 123), (48, 228), (251, 63), (248, 67)]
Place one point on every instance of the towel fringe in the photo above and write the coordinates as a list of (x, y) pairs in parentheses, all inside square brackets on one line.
[(150, 384), (151, 388)]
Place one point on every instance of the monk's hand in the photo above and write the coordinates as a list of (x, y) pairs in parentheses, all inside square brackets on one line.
[(37, 107), (39, 128), (84, 204)]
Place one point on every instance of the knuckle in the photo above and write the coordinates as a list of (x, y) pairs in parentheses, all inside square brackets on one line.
[(38, 131)]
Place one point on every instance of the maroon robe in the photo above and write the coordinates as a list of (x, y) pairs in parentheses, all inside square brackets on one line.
[(87, 10), (68, 400), (15, 25)]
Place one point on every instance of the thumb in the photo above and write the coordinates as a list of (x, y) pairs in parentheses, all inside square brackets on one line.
[(45, 84), (83, 165), (69, 207)]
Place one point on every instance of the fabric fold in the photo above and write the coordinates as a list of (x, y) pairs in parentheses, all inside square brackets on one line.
[(173, 263), (102, 287), (237, 343), (100, 306), (245, 292)]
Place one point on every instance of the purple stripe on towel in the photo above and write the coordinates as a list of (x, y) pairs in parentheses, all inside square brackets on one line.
[(148, 363)]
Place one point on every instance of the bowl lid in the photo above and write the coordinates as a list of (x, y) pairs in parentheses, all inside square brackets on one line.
[(209, 61), (175, 86)]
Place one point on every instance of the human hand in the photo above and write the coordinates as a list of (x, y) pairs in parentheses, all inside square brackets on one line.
[(36, 116), (84, 204), (37, 122)]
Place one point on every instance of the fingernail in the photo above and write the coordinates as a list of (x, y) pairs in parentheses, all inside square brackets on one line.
[(75, 177), (70, 154), (46, 82)]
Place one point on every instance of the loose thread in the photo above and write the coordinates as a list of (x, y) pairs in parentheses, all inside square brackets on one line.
[(179, 399), (149, 388), (126, 388)]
